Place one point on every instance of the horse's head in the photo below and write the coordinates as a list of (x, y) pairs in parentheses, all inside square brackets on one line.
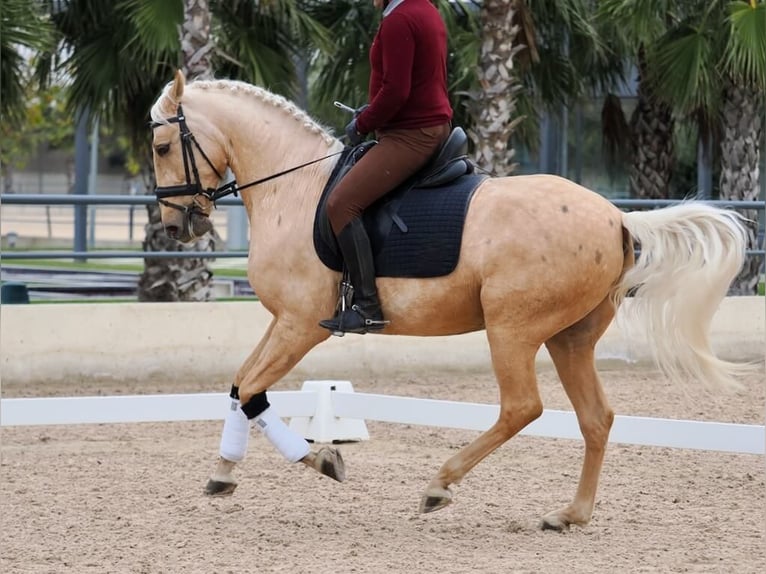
[(188, 163)]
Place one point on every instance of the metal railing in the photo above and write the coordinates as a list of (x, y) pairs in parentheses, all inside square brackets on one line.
[(65, 199)]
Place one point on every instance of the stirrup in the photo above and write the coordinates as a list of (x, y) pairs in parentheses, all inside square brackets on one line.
[(345, 296), (352, 320)]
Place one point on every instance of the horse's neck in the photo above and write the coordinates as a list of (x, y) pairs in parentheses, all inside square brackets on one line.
[(265, 142)]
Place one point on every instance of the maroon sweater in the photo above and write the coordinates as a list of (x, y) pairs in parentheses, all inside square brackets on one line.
[(408, 79)]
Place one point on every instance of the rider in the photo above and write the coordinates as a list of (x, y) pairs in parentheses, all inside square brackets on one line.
[(410, 113)]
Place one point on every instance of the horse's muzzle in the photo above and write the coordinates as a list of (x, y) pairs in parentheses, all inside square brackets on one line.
[(193, 225)]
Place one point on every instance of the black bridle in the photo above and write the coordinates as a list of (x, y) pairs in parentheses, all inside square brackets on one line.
[(193, 185)]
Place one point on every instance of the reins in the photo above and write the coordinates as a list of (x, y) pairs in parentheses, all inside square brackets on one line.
[(279, 174), (190, 169)]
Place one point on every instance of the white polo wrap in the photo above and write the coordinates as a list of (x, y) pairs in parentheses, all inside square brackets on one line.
[(290, 444), (236, 432)]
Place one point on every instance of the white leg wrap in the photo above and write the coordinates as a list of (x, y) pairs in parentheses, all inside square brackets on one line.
[(236, 432), (290, 444)]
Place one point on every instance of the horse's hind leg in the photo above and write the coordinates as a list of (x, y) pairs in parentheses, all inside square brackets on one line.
[(282, 346), (520, 404), (573, 353)]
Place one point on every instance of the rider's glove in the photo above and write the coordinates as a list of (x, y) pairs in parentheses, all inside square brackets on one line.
[(354, 137)]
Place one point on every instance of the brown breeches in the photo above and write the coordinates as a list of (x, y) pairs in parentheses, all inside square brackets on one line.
[(397, 156)]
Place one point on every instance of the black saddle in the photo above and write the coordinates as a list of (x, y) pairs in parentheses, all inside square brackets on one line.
[(415, 230)]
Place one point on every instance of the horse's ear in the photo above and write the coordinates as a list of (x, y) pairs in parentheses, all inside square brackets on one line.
[(178, 86)]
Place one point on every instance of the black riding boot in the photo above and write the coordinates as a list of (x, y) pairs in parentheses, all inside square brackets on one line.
[(365, 313)]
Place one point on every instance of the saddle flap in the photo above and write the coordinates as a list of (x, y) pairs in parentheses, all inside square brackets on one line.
[(447, 173)]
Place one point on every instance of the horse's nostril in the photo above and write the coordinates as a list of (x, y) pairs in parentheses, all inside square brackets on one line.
[(171, 231)]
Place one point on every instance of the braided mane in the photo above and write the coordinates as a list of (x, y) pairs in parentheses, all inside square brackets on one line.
[(158, 114)]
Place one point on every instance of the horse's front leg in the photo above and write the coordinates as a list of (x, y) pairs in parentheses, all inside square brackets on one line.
[(236, 429), (283, 345)]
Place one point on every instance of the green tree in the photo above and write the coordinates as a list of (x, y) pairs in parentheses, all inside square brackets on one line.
[(183, 278), (262, 42), (494, 103), (636, 26), (45, 123), (568, 64), (24, 30), (711, 68)]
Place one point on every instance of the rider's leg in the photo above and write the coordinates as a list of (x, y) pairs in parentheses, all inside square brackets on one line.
[(396, 157), (365, 314)]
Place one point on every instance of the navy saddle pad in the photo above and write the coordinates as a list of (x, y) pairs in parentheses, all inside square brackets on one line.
[(416, 230)]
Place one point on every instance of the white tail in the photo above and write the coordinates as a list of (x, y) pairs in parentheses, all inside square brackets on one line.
[(690, 253)]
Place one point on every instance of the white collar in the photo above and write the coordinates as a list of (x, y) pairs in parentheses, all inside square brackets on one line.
[(391, 7)]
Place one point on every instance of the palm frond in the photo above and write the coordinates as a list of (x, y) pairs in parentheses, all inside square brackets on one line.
[(746, 57), (343, 73), (638, 21), (682, 68), (155, 24), (109, 74), (24, 30), (261, 42)]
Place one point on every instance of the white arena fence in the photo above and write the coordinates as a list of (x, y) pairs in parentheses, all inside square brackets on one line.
[(326, 411)]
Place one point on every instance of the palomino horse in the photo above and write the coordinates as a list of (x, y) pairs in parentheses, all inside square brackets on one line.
[(542, 261)]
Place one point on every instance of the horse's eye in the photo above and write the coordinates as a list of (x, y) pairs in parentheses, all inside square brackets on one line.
[(162, 149)]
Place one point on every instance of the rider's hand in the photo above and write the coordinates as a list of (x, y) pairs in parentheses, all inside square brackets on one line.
[(354, 137)]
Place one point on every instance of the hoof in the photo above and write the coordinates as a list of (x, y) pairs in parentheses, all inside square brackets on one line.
[(330, 463), (554, 522), (219, 488), (435, 499)]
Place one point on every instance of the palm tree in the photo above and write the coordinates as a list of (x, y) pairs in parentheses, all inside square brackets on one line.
[(183, 278), (23, 28), (712, 67), (742, 119), (493, 109), (262, 42), (118, 57), (571, 65), (638, 25)]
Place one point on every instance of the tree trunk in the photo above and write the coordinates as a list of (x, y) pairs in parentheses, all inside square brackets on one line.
[(740, 157), (174, 279), (195, 40), (653, 149), (181, 279), (495, 103)]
